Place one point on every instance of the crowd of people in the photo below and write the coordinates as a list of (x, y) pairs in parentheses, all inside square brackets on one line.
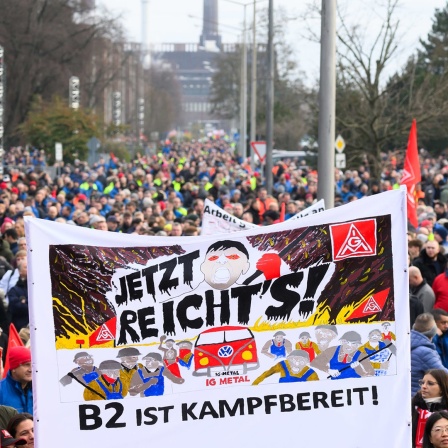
[(163, 195)]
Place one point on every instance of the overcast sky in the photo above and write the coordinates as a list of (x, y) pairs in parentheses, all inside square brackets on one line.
[(180, 21)]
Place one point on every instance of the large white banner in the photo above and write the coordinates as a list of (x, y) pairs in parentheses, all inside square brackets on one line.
[(216, 220), (290, 334)]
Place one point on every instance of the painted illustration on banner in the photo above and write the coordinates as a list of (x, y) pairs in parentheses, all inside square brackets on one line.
[(302, 304)]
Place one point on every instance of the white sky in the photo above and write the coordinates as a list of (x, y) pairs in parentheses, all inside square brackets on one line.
[(181, 21)]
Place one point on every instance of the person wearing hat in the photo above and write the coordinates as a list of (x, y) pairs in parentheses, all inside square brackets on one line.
[(84, 374), (129, 364), (379, 351), (440, 235), (278, 347), (150, 379), (295, 368), (108, 385), (169, 355), (16, 388), (424, 354), (324, 335), (305, 343), (345, 360), (98, 222), (9, 440), (386, 334)]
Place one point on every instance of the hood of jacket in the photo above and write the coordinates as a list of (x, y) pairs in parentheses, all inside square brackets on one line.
[(420, 340)]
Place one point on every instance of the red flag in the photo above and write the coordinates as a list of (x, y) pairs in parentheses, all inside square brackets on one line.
[(13, 341), (105, 333), (282, 212), (411, 174), (372, 305)]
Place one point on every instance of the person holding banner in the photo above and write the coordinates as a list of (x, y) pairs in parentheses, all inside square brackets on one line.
[(433, 396)]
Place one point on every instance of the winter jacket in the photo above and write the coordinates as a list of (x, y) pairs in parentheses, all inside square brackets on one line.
[(425, 294), (18, 304), (441, 343), (419, 403), (12, 394), (424, 356), (428, 267)]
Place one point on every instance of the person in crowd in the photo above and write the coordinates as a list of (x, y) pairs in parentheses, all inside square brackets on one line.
[(9, 280), (436, 430), (424, 354), (21, 426), (440, 340), (6, 414), (12, 238), (440, 288), (16, 388), (420, 289), (432, 396), (18, 299), (430, 261)]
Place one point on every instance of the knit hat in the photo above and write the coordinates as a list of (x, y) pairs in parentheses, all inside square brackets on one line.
[(18, 356), (441, 231)]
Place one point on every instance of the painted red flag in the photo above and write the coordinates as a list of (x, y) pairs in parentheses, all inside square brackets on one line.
[(372, 305), (13, 341), (104, 333), (411, 174)]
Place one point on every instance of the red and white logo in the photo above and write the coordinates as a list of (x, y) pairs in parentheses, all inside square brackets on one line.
[(105, 334), (371, 306), (353, 239), (407, 177)]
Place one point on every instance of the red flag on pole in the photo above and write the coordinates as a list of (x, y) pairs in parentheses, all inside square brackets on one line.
[(13, 341), (411, 174), (282, 212)]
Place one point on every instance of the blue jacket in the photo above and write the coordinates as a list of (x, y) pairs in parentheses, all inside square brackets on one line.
[(12, 394), (441, 343), (424, 356)]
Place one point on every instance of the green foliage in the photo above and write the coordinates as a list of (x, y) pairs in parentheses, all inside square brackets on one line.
[(49, 123), (119, 149)]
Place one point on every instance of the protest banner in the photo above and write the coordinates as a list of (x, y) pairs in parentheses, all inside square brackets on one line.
[(317, 207), (293, 333), (216, 220)]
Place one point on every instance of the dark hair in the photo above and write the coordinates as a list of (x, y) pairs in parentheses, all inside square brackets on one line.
[(16, 420), (227, 244), (438, 313), (432, 420), (442, 380), (12, 233)]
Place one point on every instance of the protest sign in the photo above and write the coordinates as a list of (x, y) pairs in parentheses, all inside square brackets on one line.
[(216, 220), (227, 339)]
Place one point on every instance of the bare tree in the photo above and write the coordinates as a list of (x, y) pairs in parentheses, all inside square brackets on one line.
[(374, 112), (46, 41)]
